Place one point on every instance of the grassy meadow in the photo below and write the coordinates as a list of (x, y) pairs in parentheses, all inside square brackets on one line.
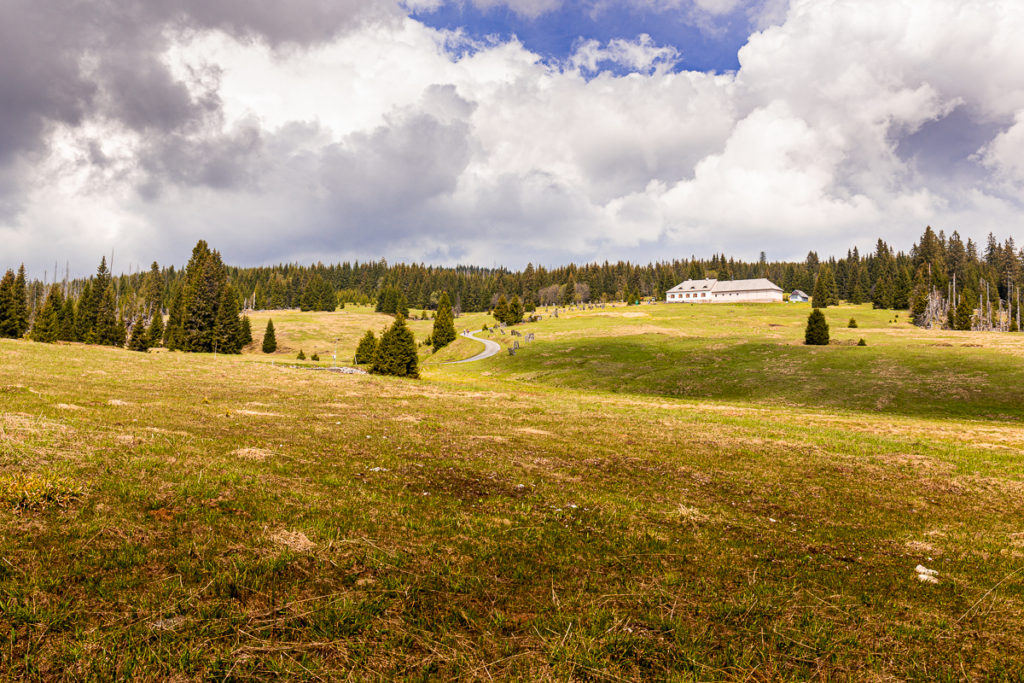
[(659, 492)]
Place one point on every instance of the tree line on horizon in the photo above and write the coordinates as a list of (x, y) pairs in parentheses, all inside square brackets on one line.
[(202, 301)]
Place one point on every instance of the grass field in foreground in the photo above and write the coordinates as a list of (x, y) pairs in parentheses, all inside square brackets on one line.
[(168, 516)]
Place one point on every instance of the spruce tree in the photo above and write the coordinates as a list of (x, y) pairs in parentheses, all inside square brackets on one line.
[(857, 295), (153, 290), (155, 334), (120, 336), (245, 334), (443, 333), (919, 294), (318, 295), (47, 323), (106, 330), (883, 297), (569, 293), (8, 324), (902, 290), (201, 297), (20, 302), (816, 333), (227, 330), (825, 293), (301, 356), (269, 340), (139, 340), (963, 317), (386, 300), (402, 305), (515, 311), (328, 300), (396, 352), (66, 327), (367, 349), (501, 311)]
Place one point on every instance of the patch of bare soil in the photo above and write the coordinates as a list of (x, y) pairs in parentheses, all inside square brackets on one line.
[(161, 430), (293, 540), (531, 430), (28, 424), (625, 314), (252, 453), (258, 413)]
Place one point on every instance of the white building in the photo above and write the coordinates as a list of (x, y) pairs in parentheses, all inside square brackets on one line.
[(732, 291)]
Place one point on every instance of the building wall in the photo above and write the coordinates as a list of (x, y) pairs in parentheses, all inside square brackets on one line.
[(695, 298), (761, 296), (764, 296)]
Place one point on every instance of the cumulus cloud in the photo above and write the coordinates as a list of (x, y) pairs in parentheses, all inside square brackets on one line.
[(640, 55), (353, 132)]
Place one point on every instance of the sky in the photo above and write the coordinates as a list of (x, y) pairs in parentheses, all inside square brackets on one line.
[(501, 132)]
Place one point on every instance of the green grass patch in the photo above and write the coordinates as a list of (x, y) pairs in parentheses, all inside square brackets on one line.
[(34, 491), (704, 515)]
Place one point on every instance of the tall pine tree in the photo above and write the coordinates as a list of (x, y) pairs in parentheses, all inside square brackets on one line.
[(825, 291), (8, 322), (46, 327), (443, 333)]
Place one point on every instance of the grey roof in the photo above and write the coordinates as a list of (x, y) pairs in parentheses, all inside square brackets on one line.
[(800, 292), (760, 284), (694, 286)]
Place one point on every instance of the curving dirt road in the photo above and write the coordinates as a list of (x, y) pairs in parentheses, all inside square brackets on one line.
[(490, 349)]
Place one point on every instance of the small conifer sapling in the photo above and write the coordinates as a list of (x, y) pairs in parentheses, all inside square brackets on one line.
[(269, 339), (816, 333)]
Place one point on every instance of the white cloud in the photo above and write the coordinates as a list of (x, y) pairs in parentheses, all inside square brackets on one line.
[(1005, 154), (401, 141), (423, 5), (641, 55)]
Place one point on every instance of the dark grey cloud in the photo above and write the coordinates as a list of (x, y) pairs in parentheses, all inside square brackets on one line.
[(66, 61), (41, 79)]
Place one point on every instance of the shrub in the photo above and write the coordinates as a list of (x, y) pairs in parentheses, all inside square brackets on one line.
[(817, 329), (302, 355), (315, 356), (862, 342), (853, 323)]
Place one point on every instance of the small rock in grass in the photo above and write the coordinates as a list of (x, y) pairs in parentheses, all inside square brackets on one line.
[(926, 575)]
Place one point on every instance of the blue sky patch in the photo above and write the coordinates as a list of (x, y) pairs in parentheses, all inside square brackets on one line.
[(555, 35)]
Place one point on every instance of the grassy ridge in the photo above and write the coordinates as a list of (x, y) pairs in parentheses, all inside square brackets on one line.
[(755, 353), (231, 519)]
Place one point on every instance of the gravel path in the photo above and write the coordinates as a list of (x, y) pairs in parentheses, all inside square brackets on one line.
[(490, 349)]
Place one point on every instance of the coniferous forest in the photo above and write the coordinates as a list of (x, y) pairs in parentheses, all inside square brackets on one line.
[(943, 280)]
